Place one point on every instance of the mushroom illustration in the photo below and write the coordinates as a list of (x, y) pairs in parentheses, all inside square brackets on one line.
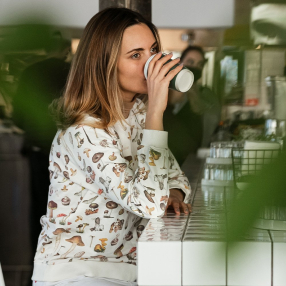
[(103, 143), (118, 252), (79, 140), (92, 236), (79, 227), (44, 243), (80, 193), (86, 152), (129, 159), (73, 172), (103, 241), (57, 170), (111, 205), (70, 138), (64, 189), (100, 247), (155, 155), (171, 161), (106, 214), (97, 156), (79, 254), (84, 165), (112, 157), (131, 254), (160, 179), (92, 176), (65, 201), (52, 206), (93, 206), (112, 190), (140, 229), (102, 258), (90, 200), (78, 218), (58, 232), (143, 158), (93, 209), (164, 163), (123, 191), (150, 210), (115, 240), (106, 182), (164, 199), (163, 206), (82, 227), (149, 196), (127, 178), (76, 241), (63, 216), (58, 154), (129, 235), (121, 212), (66, 175)]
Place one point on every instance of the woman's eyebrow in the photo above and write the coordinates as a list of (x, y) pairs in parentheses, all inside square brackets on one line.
[(141, 49)]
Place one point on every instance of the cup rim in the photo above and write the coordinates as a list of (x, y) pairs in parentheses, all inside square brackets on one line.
[(147, 65)]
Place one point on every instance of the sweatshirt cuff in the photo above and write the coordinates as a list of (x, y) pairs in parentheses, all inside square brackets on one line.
[(155, 138)]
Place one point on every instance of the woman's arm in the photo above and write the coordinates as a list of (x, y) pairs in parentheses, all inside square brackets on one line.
[(103, 166), (180, 189)]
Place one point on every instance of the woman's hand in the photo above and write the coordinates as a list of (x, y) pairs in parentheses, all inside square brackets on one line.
[(176, 200), (158, 84)]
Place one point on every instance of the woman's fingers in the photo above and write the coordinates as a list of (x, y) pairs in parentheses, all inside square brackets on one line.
[(172, 73), (159, 64), (166, 68), (176, 207), (152, 63)]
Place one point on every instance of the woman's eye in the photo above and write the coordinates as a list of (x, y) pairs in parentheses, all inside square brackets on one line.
[(154, 50), (136, 56)]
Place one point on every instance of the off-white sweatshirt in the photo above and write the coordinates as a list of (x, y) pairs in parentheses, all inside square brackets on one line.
[(104, 188)]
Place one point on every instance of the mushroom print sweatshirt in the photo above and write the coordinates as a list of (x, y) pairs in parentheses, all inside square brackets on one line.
[(104, 188)]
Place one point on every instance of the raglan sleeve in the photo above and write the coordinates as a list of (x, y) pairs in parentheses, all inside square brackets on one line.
[(145, 190), (177, 179)]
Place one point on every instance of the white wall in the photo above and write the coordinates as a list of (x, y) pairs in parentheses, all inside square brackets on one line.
[(68, 13), (193, 13), (165, 13)]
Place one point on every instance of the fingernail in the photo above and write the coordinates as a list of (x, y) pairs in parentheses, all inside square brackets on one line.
[(180, 65)]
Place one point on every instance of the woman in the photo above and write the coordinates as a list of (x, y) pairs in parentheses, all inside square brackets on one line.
[(110, 167), (191, 118)]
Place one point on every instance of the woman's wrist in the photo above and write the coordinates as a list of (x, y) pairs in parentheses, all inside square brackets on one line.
[(154, 121)]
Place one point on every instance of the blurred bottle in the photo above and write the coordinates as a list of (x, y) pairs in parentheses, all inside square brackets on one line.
[(221, 133)]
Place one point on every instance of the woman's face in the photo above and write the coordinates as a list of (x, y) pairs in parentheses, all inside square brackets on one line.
[(194, 59), (138, 44)]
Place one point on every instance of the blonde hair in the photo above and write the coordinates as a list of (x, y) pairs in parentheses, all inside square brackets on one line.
[(92, 87)]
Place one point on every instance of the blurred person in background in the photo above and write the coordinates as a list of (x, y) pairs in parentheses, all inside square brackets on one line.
[(191, 117), (39, 84)]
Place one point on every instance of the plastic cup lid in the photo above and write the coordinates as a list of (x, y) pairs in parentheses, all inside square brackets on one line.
[(184, 80), (147, 65)]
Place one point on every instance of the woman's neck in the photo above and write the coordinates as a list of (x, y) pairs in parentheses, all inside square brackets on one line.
[(128, 103)]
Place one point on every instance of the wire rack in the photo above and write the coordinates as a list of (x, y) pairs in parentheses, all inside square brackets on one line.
[(247, 163)]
